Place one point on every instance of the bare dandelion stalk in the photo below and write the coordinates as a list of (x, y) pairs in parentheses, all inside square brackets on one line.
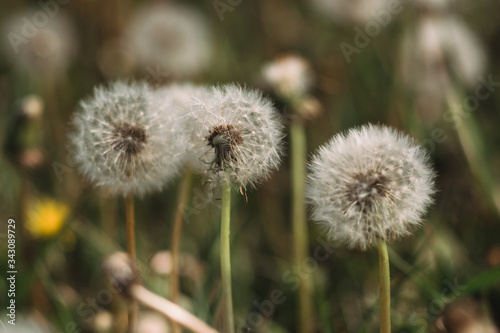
[(300, 232), (385, 288), (225, 258), (176, 237), (291, 77), (122, 274), (171, 310), (130, 231), (130, 222)]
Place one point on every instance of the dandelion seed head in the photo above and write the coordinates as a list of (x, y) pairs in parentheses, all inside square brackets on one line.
[(234, 132), (47, 49), (289, 75), (178, 100), (438, 53), (372, 184), (173, 37), (123, 141)]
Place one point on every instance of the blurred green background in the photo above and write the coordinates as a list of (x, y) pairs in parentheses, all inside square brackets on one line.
[(434, 98)]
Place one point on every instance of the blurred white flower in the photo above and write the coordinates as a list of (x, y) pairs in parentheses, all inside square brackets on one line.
[(440, 51), (152, 322), (103, 322), (370, 185), (46, 48), (173, 37), (180, 98), (289, 75), (236, 132), (32, 106), (350, 11), (124, 142)]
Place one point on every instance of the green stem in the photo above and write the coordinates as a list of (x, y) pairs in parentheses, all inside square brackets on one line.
[(176, 238), (300, 232), (385, 289), (225, 259), (130, 231)]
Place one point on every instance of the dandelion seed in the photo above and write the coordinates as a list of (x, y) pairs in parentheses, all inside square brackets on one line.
[(234, 132), (124, 142), (369, 186)]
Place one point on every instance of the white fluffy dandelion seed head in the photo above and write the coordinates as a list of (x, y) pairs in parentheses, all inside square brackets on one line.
[(439, 53), (172, 36), (181, 98), (178, 100), (234, 132), (440, 48), (48, 48), (123, 142), (370, 185), (289, 75)]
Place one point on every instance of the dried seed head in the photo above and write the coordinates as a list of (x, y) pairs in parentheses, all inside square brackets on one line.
[(120, 271), (125, 142), (235, 132), (368, 186), (129, 139), (48, 49), (437, 53), (172, 37), (289, 75)]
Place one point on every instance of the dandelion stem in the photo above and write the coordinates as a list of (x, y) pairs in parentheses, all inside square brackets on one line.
[(176, 237), (129, 211), (300, 232), (385, 288), (225, 259), (130, 230)]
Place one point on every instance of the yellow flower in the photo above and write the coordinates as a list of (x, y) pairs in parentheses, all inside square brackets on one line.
[(46, 218)]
